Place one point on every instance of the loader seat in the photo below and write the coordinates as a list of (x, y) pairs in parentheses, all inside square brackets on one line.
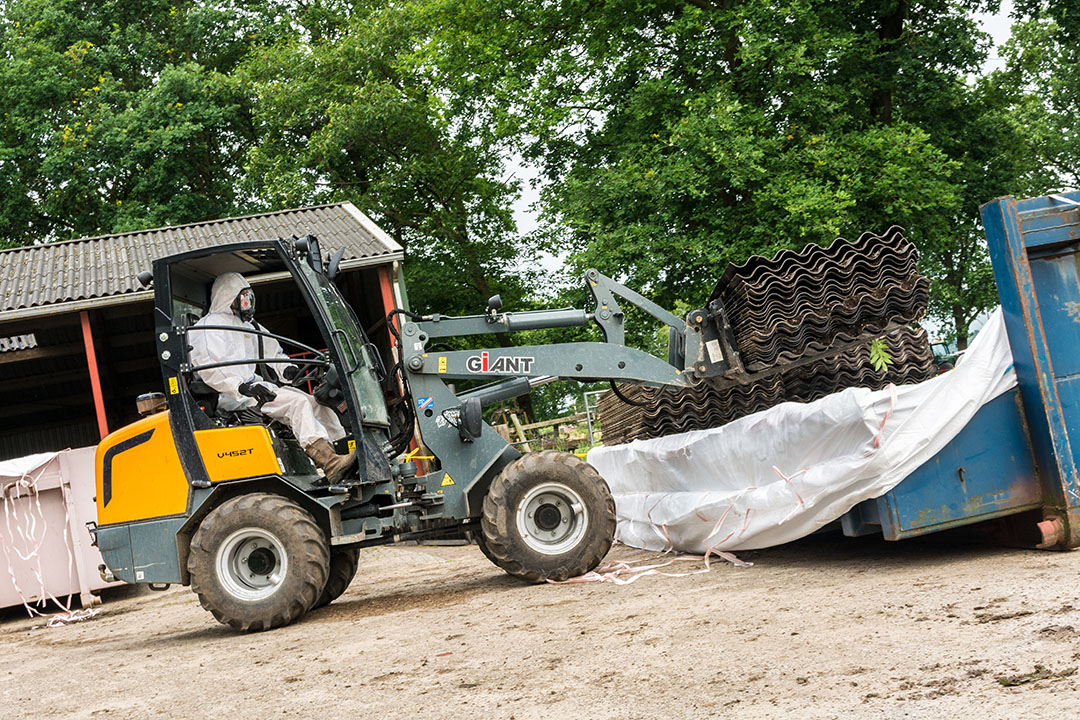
[(205, 396), (207, 399)]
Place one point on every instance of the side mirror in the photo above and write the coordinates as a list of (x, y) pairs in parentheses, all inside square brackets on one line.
[(314, 257), (145, 278), (335, 261), (471, 420)]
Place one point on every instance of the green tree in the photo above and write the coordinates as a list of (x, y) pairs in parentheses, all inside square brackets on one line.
[(679, 135), (356, 115), (120, 114), (1042, 81)]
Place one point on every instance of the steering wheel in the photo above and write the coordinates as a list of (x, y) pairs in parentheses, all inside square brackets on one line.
[(308, 371)]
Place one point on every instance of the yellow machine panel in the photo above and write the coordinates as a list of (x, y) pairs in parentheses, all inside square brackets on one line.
[(139, 474), (237, 452)]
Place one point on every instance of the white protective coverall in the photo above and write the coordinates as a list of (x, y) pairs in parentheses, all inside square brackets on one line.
[(308, 420)]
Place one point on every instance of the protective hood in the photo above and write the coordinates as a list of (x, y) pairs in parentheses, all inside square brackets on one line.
[(226, 287)]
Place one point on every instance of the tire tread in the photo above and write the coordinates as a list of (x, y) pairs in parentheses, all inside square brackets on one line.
[(316, 558), (497, 521), (342, 570)]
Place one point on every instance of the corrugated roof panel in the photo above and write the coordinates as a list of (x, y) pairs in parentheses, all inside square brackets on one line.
[(18, 342), (105, 266)]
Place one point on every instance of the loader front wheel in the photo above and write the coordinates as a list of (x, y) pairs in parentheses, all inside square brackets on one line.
[(258, 561), (343, 564), (548, 516)]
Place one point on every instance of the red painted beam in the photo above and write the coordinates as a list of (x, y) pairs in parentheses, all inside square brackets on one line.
[(387, 288), (95, 379)]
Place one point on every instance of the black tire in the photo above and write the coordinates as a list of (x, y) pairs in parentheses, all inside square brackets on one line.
[(237, 547), (343, 564), (478, 536), (527, 507)]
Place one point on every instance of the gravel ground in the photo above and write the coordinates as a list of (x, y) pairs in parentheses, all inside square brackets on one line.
[(828, 627)]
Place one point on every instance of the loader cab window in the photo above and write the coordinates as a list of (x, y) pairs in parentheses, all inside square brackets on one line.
[(357, 356), (283, 309), (191, 279), (182, 309), (190, 294)]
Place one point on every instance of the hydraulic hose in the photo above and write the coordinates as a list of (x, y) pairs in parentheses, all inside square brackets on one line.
[(400, 442), (622, 397)]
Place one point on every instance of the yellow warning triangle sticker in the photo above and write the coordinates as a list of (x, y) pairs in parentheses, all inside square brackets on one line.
[(447, 480)]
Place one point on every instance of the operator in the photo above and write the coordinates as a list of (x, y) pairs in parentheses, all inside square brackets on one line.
[(232, 304)]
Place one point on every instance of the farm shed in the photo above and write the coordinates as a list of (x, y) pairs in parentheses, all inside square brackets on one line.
[(76, 330)]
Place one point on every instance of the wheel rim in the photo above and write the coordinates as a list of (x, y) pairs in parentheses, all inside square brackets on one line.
[(552, 518), (251, 564)]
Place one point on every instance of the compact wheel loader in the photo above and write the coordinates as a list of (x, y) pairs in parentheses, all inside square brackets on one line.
[(229, 503)]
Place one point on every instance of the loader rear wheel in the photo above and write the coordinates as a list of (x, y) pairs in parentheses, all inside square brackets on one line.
[(258, 561), (343, 564), (548, 516)]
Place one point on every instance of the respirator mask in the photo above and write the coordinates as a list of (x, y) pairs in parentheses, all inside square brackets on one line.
[(243, 306)]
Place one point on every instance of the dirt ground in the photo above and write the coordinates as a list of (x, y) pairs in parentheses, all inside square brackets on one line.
[(829, 627)]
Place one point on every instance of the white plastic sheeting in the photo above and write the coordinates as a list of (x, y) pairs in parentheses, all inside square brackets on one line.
[(780, 474), (19, 468)]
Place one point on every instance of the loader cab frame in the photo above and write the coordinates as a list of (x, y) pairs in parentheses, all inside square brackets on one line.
[(182, 285)]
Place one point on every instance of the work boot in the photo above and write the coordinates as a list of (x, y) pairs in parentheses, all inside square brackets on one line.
[(332, 464)]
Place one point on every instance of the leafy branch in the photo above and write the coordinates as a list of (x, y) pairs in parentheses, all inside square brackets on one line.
[(879, 355)]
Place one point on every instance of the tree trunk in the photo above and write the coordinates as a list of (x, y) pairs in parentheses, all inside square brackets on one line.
[(890, 29), (961, 325)]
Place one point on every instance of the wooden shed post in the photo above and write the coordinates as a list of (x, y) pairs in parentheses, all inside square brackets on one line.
[(95, 379), (386, 286)]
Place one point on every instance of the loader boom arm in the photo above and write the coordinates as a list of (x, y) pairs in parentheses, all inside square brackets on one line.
[(581, 361), (468, 461)]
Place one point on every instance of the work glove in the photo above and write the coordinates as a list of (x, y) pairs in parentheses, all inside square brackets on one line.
[(290, 372), (258, 390)]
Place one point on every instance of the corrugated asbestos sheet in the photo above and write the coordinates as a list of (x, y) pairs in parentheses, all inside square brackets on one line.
[(105, 266), (18, 342), (807, 305), (667, 411), (802, 302)]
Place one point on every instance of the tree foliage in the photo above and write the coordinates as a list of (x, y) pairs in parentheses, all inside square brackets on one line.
[(356, 116), (120, 114), (1042, 80), (678, 136), (674, 136)]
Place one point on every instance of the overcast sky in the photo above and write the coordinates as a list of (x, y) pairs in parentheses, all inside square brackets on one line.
[(998, 26)]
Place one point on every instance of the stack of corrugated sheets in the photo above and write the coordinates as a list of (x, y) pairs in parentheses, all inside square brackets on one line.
[(793, 307)]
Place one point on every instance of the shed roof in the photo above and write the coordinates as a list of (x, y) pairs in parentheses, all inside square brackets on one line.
[(39, 276)]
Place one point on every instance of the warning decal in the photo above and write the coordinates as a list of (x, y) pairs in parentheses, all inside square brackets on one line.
[(447, 480), (174, 386), (424, 403)]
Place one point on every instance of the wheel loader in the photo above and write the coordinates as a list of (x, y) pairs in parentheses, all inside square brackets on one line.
[(229, 503)]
